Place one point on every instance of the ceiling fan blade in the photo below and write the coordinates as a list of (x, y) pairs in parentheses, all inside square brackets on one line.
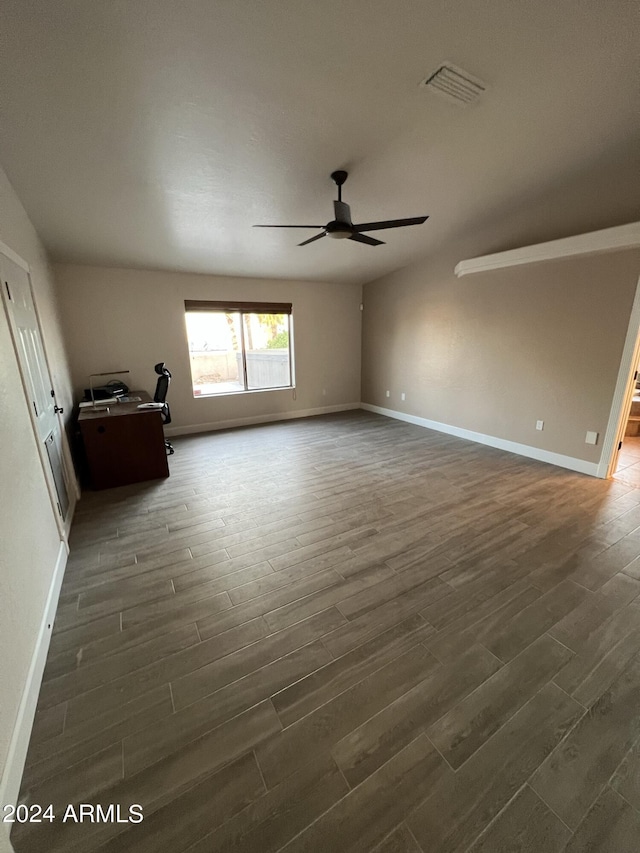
[(362, 238), (288, 226), (390, 223), (342, 211), (312, 239)]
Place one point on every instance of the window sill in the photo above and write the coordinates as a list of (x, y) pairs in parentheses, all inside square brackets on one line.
[(242, 393)]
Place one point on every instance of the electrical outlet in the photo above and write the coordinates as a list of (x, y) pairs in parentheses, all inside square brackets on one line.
[(403, 396), (388, 393), (592, 438), (539, 424)]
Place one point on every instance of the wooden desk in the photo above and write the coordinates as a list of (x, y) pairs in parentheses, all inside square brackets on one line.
[(123, 444)]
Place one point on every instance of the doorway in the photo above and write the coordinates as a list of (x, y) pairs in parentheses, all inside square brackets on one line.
[(622, 438), (627, 467)]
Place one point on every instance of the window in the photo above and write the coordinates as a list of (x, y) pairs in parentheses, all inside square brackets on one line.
[(239, 346)]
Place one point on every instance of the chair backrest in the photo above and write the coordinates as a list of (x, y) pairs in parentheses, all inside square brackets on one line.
[(162, 387)]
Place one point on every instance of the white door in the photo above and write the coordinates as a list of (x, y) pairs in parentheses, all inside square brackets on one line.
[(35, 374)]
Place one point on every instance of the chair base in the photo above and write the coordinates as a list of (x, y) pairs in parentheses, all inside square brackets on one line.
[(169, 447)]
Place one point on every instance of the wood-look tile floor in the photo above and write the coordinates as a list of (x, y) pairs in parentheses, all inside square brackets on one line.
[(346, 634), (628, 467)]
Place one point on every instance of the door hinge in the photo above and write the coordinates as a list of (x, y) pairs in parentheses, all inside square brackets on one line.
[(6, 284), (59, 510), (35, 408), (53, 393), (619, 445)]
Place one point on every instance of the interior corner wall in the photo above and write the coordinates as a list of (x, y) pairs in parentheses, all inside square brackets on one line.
[(494, 352), (29, 538), (125, 319)]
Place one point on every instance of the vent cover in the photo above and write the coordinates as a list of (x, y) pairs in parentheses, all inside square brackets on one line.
[(454, 84)]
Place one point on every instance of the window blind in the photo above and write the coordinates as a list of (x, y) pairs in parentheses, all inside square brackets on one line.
[(231, 307)]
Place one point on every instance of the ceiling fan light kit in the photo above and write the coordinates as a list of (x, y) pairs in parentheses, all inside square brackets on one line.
[(342, 228), (338, 231)]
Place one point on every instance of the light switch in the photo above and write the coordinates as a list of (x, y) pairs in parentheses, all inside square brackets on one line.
[(592, 438)]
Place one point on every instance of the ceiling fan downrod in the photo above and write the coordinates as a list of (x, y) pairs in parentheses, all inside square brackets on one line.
[(339, 177)]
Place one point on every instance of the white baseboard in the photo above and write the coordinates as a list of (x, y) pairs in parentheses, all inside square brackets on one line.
[(558, 459), (12, 775), (259, 419)]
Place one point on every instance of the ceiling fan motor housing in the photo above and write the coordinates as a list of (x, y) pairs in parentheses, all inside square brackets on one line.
[(338, 230)]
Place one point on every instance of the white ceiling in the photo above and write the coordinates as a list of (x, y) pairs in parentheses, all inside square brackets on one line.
[(154, 133)]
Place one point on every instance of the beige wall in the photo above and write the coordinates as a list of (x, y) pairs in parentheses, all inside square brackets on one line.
[(131, 319), (28, 533), (496, 351)]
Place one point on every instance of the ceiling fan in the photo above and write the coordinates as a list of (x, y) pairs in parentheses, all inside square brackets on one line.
[(342, 227)]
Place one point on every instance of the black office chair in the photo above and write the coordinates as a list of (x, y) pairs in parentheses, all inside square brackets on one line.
[(162, 386)]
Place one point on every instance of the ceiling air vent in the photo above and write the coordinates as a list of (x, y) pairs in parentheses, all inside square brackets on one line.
[(454, 84)]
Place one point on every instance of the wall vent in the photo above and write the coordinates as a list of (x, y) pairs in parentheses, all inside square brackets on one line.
[(453, 83)]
